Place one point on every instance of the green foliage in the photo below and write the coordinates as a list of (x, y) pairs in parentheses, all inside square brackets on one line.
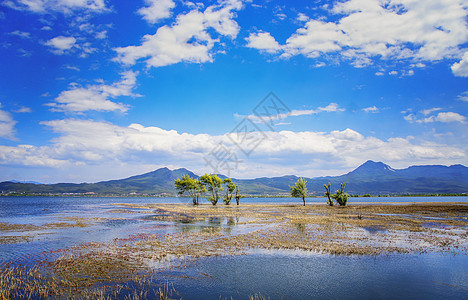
[(299, 189), (340, 196), (230, 187), (328, 194), (238, 195), (214, 185), (191, 186)]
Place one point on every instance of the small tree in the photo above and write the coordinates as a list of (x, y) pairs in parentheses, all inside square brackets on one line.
[(230, 187), (299, 189), (238, 195), (328, 194), (340, 196), (214, 185), (191, 186)]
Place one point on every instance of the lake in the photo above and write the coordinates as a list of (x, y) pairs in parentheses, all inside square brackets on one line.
[(53, 224)]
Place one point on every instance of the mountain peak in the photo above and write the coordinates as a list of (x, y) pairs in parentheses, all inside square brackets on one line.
[(372, 168)]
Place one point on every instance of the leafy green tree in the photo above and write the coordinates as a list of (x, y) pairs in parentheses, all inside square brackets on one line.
[(230, 187), (214, 185), (328, 194), (299, 189), (238, 195), (340, 196), (190, 186)]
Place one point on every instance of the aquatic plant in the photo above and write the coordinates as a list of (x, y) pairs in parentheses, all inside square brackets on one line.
[(299, 189)]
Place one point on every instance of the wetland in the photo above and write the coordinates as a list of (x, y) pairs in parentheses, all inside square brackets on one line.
[(136, 249)]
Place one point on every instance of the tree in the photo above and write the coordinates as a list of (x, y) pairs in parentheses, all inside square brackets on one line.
[(328, 194), (230, 187), (238, 195), (340, 196), (214, 185), (191, 186), (299, 189)]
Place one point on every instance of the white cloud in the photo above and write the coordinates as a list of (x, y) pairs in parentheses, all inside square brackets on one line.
[(371, 109), (63, 6), (7, 125), (430, 110), (281, 16), (399, 30), (61, 44), (302, 17), (463, 96), (85, 142), (187, 40), (447, 117), (28, 155), (443, 117), (21, 34), (332, 107), (461, 68), (23, 109), (263, 41), (96, 97), (156, 10)]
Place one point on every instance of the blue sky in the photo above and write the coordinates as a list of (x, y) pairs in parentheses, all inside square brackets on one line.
[(95, 90)]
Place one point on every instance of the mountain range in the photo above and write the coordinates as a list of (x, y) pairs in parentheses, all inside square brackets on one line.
[(374, 178)]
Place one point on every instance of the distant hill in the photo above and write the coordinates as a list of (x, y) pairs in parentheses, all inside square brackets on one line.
[(369, 178)]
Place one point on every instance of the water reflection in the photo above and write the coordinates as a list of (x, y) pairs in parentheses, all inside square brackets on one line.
[(224, 224)]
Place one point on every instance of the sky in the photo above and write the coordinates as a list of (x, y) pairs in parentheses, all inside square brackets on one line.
[(94, 90)]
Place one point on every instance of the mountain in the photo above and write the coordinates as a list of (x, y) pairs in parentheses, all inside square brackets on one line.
[(369, 178)]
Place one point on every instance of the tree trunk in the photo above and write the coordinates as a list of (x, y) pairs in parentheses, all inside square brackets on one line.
[(303, 200)]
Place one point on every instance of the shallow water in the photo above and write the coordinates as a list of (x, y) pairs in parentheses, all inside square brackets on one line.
[(302, 275), (274, 274)]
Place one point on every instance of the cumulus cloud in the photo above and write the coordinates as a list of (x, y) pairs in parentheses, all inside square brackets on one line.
[(156, 10), (443, 117), (29, 155), (7, 125), (461, 68), (263, 41), (96, 97), (87, 142), (400, 30), (61, 44), (63, 6), (189, 39)]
